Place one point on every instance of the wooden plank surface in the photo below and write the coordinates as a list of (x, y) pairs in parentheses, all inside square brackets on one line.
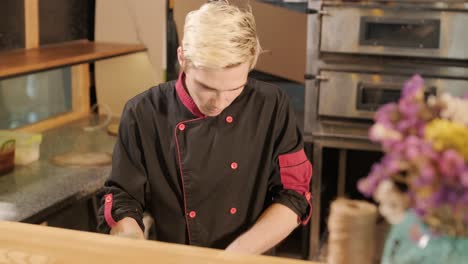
[(34, 244), (22, 61), (80, 88), (53, 122), (31, 15)]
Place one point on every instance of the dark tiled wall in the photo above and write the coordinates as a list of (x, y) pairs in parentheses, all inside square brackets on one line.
[(11, 24), (61, 21)]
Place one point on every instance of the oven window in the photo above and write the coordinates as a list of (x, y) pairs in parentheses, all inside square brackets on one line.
[(403, 33), (371, 98)]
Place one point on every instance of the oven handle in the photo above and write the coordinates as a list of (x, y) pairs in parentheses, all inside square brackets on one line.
[(320, 12), (324, 13), (316, 77)]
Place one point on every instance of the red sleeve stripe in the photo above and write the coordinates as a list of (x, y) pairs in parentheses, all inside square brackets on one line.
[(295, 171), (108, 211)]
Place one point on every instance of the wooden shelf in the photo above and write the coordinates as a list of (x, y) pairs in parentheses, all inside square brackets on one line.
[(18, 62)]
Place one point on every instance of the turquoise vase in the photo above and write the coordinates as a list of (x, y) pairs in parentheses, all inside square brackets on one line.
[(413, 242)]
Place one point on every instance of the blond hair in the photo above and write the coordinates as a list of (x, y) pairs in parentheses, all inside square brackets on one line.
[(220, 35)]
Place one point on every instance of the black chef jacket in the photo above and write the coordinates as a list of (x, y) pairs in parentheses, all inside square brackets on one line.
[(206, 180)]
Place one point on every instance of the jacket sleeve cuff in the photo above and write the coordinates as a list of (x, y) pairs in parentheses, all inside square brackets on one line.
[(115, 206), (300, 204)]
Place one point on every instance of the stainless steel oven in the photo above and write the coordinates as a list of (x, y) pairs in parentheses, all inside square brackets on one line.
[(360, 54), (395, 31), (356, 96)]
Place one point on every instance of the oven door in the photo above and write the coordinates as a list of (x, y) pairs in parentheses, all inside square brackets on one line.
[(348, 95), (404, 32)]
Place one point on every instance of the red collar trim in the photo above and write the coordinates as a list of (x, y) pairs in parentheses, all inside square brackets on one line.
[(185, 97)]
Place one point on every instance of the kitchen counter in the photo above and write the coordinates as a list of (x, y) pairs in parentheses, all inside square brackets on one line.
[(42, 188), (21, 242)]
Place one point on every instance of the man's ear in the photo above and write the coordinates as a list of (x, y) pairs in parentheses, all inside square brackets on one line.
[(180, 57)]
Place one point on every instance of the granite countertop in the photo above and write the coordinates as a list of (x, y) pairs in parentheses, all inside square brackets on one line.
[(30, 190)]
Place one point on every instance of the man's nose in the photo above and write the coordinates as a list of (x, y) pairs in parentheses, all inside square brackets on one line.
[(221, 101)]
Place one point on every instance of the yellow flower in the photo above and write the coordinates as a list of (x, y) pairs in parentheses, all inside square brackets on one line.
[(444, 134)]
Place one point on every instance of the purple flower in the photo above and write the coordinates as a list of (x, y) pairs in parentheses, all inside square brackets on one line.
[(431, 199), (398, 148), (464, 198), (364, 187), (428, 172), (464, 179), (452, 197), (391, 164), (419, 212), (412, 152), (413, 86), (412, 142), (386, 114), (422, 205), (420, 129), (406, 124), (384, 134), (368, 185), (409, 108), (428, 150), (440, 197), (420, 182), (451, 164), (389, 144), (435, 180)]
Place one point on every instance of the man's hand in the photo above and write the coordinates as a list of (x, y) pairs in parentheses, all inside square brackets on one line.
[(275, 224), (127, 227)]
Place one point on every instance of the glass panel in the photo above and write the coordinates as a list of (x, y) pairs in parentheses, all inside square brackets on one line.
[(400, 33), (373, 95), (379, 97), (31, 98)]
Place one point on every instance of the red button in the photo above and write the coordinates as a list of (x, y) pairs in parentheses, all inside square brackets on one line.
[(192, 214), (229, 119), (234, 165), (108, 199), (181, 127), (308, 196), (233, 210)]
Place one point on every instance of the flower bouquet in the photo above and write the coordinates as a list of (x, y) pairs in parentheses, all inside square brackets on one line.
[(421, 183)]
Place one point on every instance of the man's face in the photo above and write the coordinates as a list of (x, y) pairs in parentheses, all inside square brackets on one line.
[(214, 90)]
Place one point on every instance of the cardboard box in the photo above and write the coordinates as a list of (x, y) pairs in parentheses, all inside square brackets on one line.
[(282, 34)]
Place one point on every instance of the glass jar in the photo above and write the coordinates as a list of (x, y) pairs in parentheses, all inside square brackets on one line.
[(411, 241)]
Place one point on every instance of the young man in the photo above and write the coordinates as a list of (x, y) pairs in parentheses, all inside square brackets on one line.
[(215, 157)]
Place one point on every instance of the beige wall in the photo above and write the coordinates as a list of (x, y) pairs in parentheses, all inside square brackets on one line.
[(127, 21), (282, 34)]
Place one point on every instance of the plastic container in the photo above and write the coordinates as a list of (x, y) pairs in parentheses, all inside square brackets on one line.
[(27, 146), (7, 155)]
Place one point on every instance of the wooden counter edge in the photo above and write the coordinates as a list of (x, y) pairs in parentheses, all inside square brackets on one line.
[(19, 241)]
